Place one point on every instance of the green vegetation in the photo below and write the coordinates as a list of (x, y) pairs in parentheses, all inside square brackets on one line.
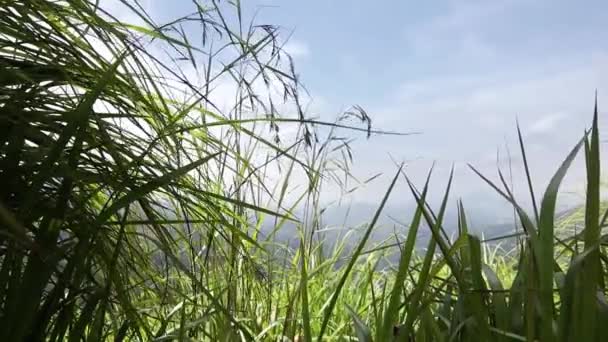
[(132, 206)]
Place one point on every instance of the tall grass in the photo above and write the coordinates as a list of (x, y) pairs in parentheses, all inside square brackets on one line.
[(133, 203), (118, 190)]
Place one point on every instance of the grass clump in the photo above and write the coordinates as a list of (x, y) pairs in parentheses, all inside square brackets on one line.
[(116, 180), (133, 204)]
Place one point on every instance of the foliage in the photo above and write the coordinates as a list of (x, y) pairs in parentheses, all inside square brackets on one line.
[(133, 204)]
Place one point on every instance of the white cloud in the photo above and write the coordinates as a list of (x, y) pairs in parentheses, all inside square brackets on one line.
[(296, 49), (466, 114), (546, 123), (458, 29), (123, 13), (467, 119)]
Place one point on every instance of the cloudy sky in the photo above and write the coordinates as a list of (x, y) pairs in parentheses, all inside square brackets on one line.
[(459, 72)]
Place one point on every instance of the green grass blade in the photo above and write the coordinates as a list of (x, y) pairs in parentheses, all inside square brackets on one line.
[(478, 305), (391, 313), (363, 332), (149, 187), (304, 294), (545, 247), (527, 170), (334, 298), (591, 273)]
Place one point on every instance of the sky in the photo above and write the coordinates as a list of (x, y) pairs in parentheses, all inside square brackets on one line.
[(459, 72)]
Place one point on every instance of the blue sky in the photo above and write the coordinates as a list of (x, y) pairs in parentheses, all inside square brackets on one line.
[(458, 71)]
